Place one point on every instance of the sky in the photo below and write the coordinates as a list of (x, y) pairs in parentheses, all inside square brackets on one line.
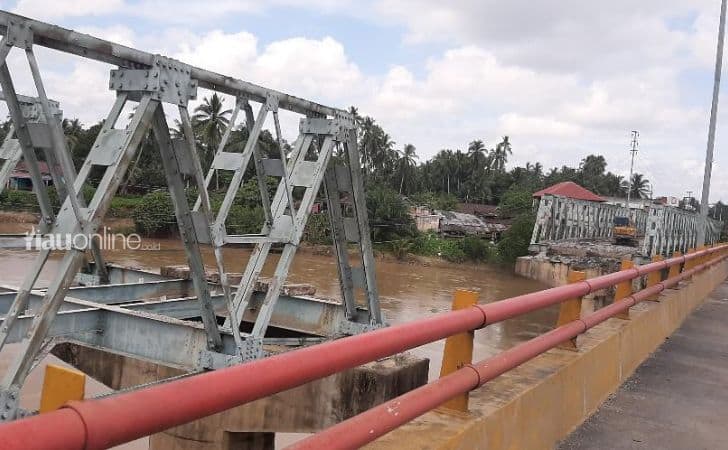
[(562, 78)]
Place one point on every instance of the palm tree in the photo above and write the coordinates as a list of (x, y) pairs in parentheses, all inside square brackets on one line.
[(354, 111), (478, 153), (368, 142), (210, 121), (407, 160), (640, 186), (500, 154), (72, 129)]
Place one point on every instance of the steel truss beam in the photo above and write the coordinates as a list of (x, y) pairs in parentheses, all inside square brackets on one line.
[(140, 329), (152, 329)]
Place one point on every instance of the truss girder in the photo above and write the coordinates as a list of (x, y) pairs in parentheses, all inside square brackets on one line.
[(148, 81)]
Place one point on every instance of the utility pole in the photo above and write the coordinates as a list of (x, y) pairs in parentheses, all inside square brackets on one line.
[(711, 128), (633, 151)]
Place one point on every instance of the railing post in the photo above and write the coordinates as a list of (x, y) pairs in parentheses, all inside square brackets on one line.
[(459, 349), (675, 269), (654, 277), (624, 289), (703, 258), (570, 310), (690, 263), (59, 386)]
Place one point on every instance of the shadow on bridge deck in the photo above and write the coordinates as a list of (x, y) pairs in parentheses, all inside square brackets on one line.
[(677, 398)]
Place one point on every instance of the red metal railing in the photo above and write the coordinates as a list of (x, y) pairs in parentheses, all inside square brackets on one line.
[(103, 423), (377, 421)]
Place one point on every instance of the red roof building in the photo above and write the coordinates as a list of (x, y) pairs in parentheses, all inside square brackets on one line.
[(569, 189)]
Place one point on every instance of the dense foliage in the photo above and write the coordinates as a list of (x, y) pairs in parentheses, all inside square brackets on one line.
[(394, 176)]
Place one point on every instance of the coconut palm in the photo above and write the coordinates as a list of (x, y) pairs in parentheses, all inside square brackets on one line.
[(640, 186), (210, 121), (501, 153), (407, 160), (72, 129), (478, 153)]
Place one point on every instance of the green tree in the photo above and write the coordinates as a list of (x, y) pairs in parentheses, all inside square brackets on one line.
[(72, 129), (479, 154), (516, 239), (209, 122), (516, 202), (388, 214), (406, 163), (640, 186), (501, 153)]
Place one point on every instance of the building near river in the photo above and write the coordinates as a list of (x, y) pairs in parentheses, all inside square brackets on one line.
[(454, 223), (20, 177)]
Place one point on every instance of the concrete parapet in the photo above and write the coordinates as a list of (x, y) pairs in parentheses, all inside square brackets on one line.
[(542, 401)]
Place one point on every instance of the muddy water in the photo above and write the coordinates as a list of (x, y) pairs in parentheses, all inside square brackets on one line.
[(407, 291)]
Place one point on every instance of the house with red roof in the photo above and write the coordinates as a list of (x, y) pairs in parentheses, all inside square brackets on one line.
[(569, 189)]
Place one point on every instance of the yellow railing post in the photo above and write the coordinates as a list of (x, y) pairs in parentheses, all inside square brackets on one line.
[(703, 258), (459, 349), (624, 289), (59, 386), (654, 277), (570, 310), (690, 263), (674, 270)]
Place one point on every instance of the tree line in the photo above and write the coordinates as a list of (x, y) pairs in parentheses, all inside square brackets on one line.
[(478, 173)]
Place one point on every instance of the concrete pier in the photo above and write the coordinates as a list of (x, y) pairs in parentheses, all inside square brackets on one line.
[(677, 398)]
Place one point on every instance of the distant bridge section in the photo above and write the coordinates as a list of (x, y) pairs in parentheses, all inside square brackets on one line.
[(665, 229)]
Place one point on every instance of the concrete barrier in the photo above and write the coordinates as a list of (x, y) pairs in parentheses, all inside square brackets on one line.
[(542, 401)]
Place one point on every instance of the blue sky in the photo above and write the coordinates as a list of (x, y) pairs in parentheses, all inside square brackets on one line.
[(563, 78)]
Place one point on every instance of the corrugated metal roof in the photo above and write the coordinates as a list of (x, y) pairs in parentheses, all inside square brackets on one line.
[(571, 190)]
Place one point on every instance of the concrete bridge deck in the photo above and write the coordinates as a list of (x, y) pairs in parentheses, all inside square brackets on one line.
[(677, 399)]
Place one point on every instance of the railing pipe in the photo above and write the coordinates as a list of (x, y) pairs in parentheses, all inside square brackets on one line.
[(113, 420), (375, 422)]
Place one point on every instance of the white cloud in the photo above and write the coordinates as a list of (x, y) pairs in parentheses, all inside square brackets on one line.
[(45, 10), (564, 79)]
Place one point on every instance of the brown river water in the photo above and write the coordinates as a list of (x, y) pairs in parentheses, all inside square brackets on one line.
[(408, 291)]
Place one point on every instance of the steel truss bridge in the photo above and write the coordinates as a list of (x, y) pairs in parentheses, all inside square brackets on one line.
[(192, 324)]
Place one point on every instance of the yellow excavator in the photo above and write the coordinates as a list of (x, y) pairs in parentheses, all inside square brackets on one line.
[(624, 232)]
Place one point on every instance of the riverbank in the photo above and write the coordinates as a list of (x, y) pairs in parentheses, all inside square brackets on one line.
[(424, 250)]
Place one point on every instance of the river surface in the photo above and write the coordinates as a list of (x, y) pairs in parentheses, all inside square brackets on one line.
[(407, 291)]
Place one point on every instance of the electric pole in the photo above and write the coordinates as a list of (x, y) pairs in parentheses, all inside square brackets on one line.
[(633, 151), (711, 128)]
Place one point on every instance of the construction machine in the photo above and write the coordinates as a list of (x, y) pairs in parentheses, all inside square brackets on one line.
[(624, 231)]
